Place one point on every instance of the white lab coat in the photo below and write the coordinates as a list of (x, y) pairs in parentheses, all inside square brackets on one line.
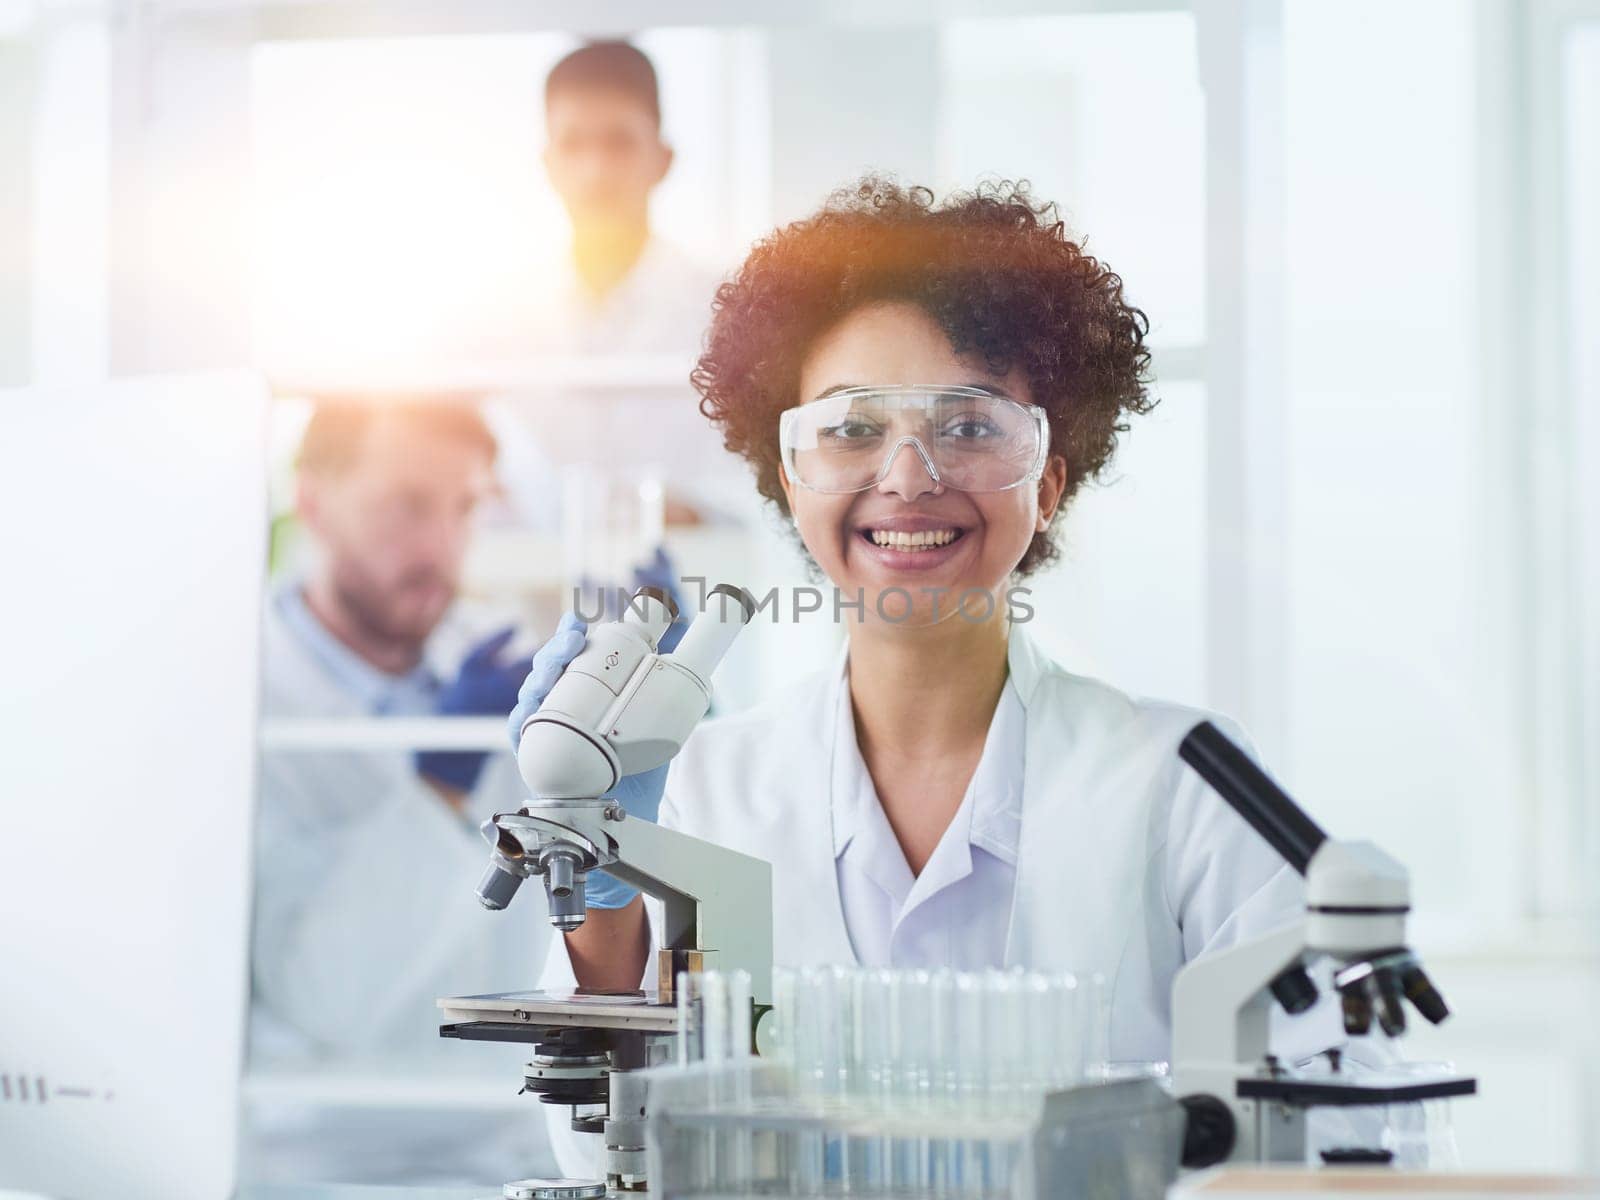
[(1128, 864), (660, 307), (364, 906)]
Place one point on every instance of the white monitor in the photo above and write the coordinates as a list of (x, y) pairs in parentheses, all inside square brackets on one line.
[(133, 521)]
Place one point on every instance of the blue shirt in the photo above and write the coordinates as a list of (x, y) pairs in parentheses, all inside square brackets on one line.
[(381, 694)]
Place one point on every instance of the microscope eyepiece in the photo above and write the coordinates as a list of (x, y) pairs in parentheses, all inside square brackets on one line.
[(651, 592), (714, 630), (746, 604)]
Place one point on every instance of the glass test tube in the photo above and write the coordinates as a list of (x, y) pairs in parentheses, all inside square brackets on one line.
[(912, 1042)]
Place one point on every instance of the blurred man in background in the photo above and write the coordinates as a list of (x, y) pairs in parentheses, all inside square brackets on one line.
[(366, 858), (364, 910)]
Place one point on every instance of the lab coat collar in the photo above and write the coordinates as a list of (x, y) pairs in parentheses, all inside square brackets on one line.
[(1026, 662), (989, 817)]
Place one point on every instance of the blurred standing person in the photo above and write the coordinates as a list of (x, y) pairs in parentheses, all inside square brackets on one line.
[(620, 290), (626, 289)]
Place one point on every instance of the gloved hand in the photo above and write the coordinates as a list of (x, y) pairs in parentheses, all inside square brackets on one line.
[(483, 686), (639, 795)]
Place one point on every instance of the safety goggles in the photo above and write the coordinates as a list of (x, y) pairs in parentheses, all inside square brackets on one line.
[(967, 438)]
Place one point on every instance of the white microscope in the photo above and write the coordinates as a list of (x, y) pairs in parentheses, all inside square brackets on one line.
[(1243, 1105), (619, 708)]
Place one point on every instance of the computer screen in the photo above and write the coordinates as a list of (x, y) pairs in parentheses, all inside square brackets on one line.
[(133, 522)]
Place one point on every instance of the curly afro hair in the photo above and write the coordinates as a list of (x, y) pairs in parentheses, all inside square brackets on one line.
[(993, 267)]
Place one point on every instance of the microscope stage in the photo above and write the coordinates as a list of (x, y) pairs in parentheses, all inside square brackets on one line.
[(640, 1011), (1321, 1093)]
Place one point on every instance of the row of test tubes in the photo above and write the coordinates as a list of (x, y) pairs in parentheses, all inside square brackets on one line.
[(984, 1043), (900, 1082)]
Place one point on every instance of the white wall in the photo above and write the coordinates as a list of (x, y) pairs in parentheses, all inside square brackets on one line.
[(1104, 116), (1581, 61), (68, 276), (1407, 502), (1397, 678), (16, 200)]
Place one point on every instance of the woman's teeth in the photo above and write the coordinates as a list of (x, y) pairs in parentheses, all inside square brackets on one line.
[(895, 540)]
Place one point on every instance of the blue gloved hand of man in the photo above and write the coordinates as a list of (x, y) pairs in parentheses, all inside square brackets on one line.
[(485, 685), (639, 794)]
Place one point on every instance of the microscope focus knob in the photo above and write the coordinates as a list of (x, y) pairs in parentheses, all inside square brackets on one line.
[(1208, 1133)]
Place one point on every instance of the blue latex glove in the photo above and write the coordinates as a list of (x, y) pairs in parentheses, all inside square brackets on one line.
[(485, 685), (639, 795)]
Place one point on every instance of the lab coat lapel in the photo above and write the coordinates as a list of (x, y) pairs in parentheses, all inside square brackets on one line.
[(826, 939), (1079, 852), (1023, 664)]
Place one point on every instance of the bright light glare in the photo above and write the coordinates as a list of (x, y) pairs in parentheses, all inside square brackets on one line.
[(401, 211), (400, 208)]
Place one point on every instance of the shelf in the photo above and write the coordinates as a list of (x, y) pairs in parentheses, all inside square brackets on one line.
[(620, 373), (383, 733), (385, 1089), (508, 559), (540, 376)]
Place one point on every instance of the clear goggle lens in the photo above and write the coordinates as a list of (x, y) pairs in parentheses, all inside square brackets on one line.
[(967, 438)]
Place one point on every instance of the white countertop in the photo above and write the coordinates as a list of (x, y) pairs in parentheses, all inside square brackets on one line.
[(348, 1191)]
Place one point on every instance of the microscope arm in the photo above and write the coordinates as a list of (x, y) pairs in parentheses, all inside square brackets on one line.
[(714, 900), (729, 912), (1220, 1008)]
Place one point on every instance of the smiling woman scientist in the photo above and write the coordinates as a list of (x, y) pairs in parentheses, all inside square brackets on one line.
[(922, 388)]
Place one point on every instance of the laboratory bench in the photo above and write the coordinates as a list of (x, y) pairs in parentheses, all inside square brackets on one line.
[(352, 1191)]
